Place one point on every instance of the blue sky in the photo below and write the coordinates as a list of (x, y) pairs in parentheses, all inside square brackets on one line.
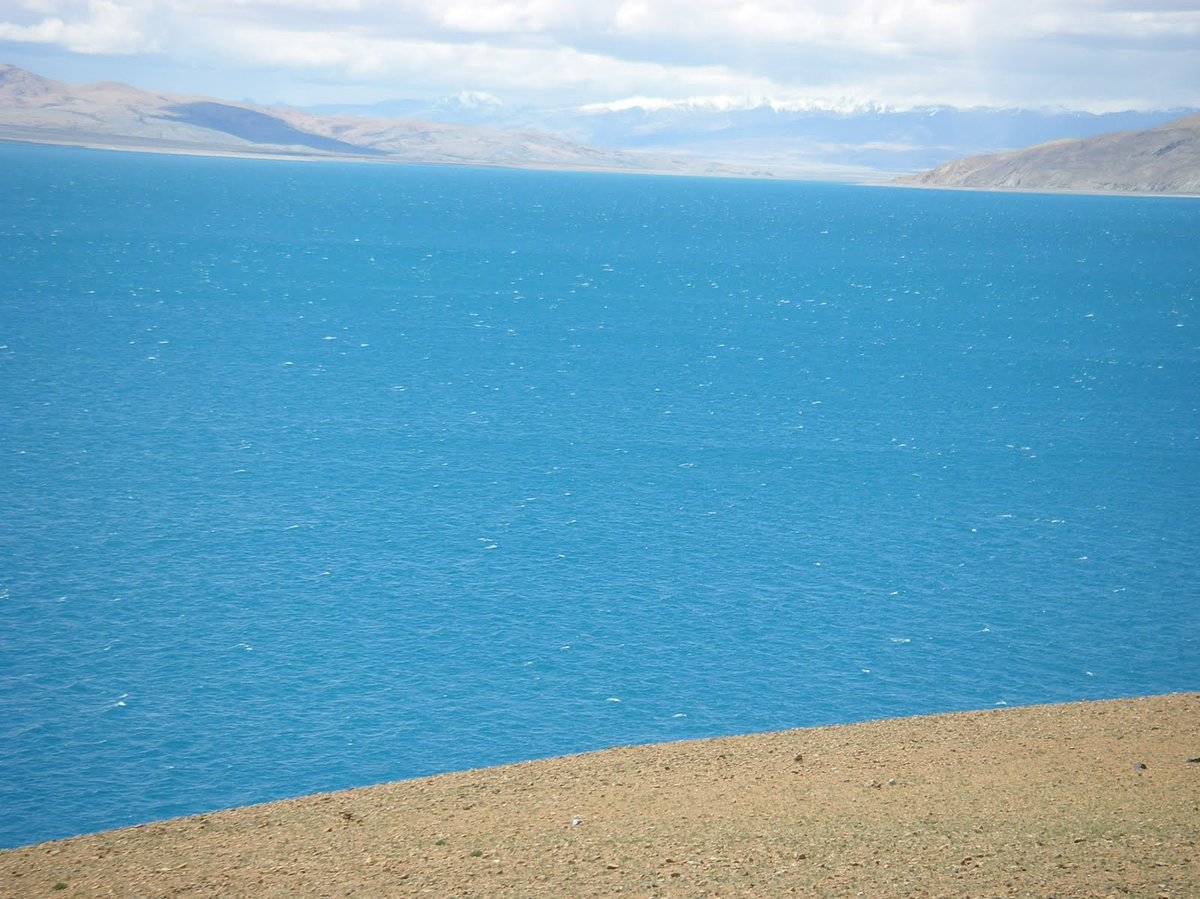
[(1096, 55)]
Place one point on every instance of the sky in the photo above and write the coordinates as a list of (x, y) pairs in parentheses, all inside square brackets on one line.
[(1094, 55)]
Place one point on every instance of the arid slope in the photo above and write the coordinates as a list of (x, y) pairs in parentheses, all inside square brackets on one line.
[(1094, 799), (1163, 160)]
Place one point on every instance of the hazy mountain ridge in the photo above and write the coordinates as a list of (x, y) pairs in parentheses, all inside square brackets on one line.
[(860, 144), (865, 140), (1163, 160), (39, 110)]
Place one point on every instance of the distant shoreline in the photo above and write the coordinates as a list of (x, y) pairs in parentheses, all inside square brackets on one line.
[(1069, 800), (1059, 191), (217, 153), (275, 156)]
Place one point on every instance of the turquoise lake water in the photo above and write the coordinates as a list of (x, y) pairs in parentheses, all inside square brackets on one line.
[(316, 476)]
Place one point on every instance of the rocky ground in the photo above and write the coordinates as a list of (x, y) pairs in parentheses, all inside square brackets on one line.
[(1093, 799)]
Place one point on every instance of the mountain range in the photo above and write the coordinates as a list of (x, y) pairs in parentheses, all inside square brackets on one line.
[(977, 148), (855, 142), (34, 109)]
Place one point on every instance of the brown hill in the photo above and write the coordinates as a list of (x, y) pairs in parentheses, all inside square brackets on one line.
[(1085, 800), (1163, 160)]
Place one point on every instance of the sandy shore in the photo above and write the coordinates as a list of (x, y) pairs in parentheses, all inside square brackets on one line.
[(903, 182), (682, 169), (1092, 799)]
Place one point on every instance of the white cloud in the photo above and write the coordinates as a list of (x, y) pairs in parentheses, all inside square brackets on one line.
[(406, 64), (1088, 53), (504, 16), (99, 26)]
